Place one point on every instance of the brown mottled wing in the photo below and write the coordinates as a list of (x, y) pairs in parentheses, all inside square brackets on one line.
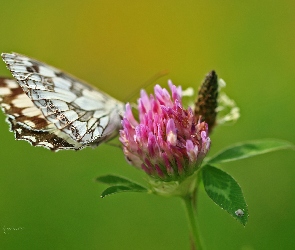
[(60, 105), (206, 102), (26, 120)]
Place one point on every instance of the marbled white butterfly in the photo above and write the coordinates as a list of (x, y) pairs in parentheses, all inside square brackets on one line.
[(50, 108)]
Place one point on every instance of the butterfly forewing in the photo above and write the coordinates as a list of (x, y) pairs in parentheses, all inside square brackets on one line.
[(63, 111)]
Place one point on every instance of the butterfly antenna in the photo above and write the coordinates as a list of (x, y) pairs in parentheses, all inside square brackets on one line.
[(147, 83), (116, 145)]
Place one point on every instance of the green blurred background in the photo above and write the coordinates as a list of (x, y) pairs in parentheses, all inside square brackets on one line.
[(117, 46)]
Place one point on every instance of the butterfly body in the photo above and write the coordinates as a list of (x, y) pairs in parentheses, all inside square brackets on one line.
[(50, 108)]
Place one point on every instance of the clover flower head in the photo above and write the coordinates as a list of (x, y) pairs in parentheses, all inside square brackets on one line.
[(168, 143)]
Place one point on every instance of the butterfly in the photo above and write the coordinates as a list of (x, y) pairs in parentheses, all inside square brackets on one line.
[(53, 109)]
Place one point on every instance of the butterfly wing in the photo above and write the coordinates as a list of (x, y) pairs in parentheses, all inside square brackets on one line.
[(53, 109)]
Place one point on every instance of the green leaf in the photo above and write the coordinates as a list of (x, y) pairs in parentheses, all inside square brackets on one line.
[(249, 149), (118, 185), (119, 189), (115, 180), (225, 192)]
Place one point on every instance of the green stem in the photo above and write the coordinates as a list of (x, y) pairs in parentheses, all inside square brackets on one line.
[(192, 216)]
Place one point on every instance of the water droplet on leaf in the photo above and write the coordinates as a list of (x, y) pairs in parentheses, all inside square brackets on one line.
[(239, 212)]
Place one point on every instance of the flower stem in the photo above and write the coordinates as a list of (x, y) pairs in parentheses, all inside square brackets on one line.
[(189, 201)]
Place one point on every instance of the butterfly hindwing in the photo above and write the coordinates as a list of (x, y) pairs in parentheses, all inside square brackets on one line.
[(27, 121), (49, 103)]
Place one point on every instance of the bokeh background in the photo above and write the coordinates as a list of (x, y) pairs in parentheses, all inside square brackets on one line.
[(117, 46)]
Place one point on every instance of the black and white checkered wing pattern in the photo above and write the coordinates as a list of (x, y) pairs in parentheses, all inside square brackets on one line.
[(49, 108)]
